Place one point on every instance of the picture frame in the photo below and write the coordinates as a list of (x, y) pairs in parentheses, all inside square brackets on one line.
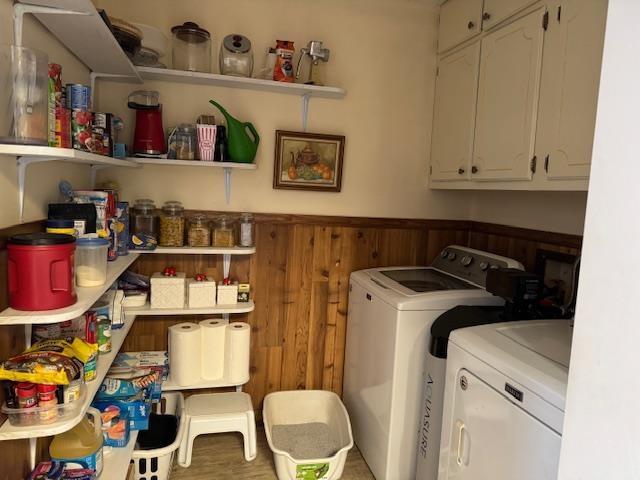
[(308, 161)]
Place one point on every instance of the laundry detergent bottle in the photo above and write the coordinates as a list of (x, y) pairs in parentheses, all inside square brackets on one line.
[(82, 445)]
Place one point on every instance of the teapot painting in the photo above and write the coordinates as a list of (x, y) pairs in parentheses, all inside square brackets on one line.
[(305, 156)]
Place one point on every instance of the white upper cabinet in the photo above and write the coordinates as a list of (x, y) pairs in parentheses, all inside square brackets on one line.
[(460, 20), (497, 10), (507, 105), (454, 114), (570, 79)]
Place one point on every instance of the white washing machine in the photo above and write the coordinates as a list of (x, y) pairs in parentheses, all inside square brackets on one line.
[(390, 315), (504, 401)]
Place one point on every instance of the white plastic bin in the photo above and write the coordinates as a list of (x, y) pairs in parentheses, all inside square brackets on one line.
[(308, 406), (156, 464)]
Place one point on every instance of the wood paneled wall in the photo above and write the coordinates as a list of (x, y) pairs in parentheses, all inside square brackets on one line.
[(299, 278)]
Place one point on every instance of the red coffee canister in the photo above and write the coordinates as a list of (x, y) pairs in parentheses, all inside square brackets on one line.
[(41, 271)]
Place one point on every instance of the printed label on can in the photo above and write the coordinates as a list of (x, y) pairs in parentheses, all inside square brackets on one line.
[(90, 368), (104, 335), (78, 96)]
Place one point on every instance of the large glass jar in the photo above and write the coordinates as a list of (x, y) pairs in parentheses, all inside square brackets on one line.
[(223, 233), (172, 225), (183, 143), (191, 48), (199, 234), (246, 230), (144, 219)]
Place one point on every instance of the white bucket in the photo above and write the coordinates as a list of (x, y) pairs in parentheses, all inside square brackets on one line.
[(308, 406)]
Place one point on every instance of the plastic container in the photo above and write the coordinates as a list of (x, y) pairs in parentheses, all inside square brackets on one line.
[(65, 227), (191, 48), (223, 233), (24, 80), (40, 271), (199, 234), (246, 230), (47, 414), (308, 406), (91, 262), (157, 463), (82, 444), (172, 225)]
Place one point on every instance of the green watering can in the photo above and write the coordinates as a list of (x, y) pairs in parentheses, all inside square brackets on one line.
[(241, 145)]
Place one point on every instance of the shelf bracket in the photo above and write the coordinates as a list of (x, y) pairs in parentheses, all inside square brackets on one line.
[(305, 110), (23, 163), (227, 184), (226, 264), (19, 9), (33, 442)]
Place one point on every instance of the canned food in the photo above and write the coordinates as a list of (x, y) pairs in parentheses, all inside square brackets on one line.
[(101, 133), (78, 96), (54, 98), (104, 335), (81, 130), (62, 129), (90, 368)]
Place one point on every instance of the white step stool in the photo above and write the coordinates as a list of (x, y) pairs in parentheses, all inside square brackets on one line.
[(218, 413)]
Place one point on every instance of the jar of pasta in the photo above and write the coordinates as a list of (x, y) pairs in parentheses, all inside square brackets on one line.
[(198, 233), (223, 233), (172, 225)]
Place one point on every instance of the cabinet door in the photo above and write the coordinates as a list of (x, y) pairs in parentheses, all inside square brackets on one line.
[(454, 114), (459, 21), (508, 93), (491, 438), (569, 89), (497, 10)]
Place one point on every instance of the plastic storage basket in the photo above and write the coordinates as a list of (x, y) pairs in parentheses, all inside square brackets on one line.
[(156, 464), (307, 406)]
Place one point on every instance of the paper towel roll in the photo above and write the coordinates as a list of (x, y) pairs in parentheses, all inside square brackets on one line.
[(185, 353), (213, 344), (236, 352)]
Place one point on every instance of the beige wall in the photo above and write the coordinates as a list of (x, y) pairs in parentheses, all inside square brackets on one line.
[(382, 53), (42, 179)]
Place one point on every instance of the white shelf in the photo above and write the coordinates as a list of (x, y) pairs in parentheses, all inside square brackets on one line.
[(43, 153), (116, 462), (169, 386), (213, 79), (241, 307), (86, 35), (192, 163), (86, 298), (201, 250), (11, 432)]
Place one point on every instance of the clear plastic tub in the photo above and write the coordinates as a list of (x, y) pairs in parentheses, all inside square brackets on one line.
[(91, 261), (29, 417), (299, 407)]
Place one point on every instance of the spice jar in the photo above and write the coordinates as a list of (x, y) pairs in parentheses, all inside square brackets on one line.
[(246, 227), (27, 398), (47, 401), (172, 225), (223, 233), (198, 233), (143, 218)]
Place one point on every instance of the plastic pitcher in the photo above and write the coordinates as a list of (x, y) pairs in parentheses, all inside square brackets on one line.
[(23, 95), (242, 138)]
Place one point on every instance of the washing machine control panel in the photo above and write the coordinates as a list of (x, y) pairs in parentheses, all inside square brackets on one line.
[(469, 264)]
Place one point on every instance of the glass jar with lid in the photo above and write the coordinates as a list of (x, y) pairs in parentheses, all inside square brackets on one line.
[(198, 234), (172, 225), (183, 143), (223, 233), (246, 230), (236, 56), (191, 48), (144, 219)]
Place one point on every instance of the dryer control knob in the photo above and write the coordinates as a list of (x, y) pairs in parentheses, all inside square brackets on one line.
[(443, 254), (452, 256), (466, 260), (484, 266)]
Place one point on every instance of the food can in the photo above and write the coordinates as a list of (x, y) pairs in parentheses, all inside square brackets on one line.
[(54, 98), (62, 130), (78, 96), (81, 130), (104, 335), (71, 392), (90, 368), (102, 133)]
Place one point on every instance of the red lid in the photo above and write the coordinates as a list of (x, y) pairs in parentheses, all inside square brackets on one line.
[(25, 389), (46, 388)]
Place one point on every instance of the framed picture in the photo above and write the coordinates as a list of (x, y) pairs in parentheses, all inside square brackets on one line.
[(308, 161)]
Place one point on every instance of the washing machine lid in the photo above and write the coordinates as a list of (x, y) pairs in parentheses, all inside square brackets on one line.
[(534, 353), (440, 298)]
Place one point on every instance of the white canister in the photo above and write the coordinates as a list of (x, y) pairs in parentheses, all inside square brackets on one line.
[(91, 261), (168, 291)]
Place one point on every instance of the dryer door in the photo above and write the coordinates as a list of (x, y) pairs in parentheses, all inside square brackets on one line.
[(494, 439)]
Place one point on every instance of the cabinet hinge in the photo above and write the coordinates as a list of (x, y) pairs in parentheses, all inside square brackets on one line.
[(545, 20), (534, 162), (559, 13), (546, 164)]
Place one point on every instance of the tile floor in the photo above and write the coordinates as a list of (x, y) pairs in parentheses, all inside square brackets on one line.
[(221, 457)]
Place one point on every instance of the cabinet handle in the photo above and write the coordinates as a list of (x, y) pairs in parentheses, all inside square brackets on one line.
[(486, 16), (474, 169), (460, 171), (471, 25)]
